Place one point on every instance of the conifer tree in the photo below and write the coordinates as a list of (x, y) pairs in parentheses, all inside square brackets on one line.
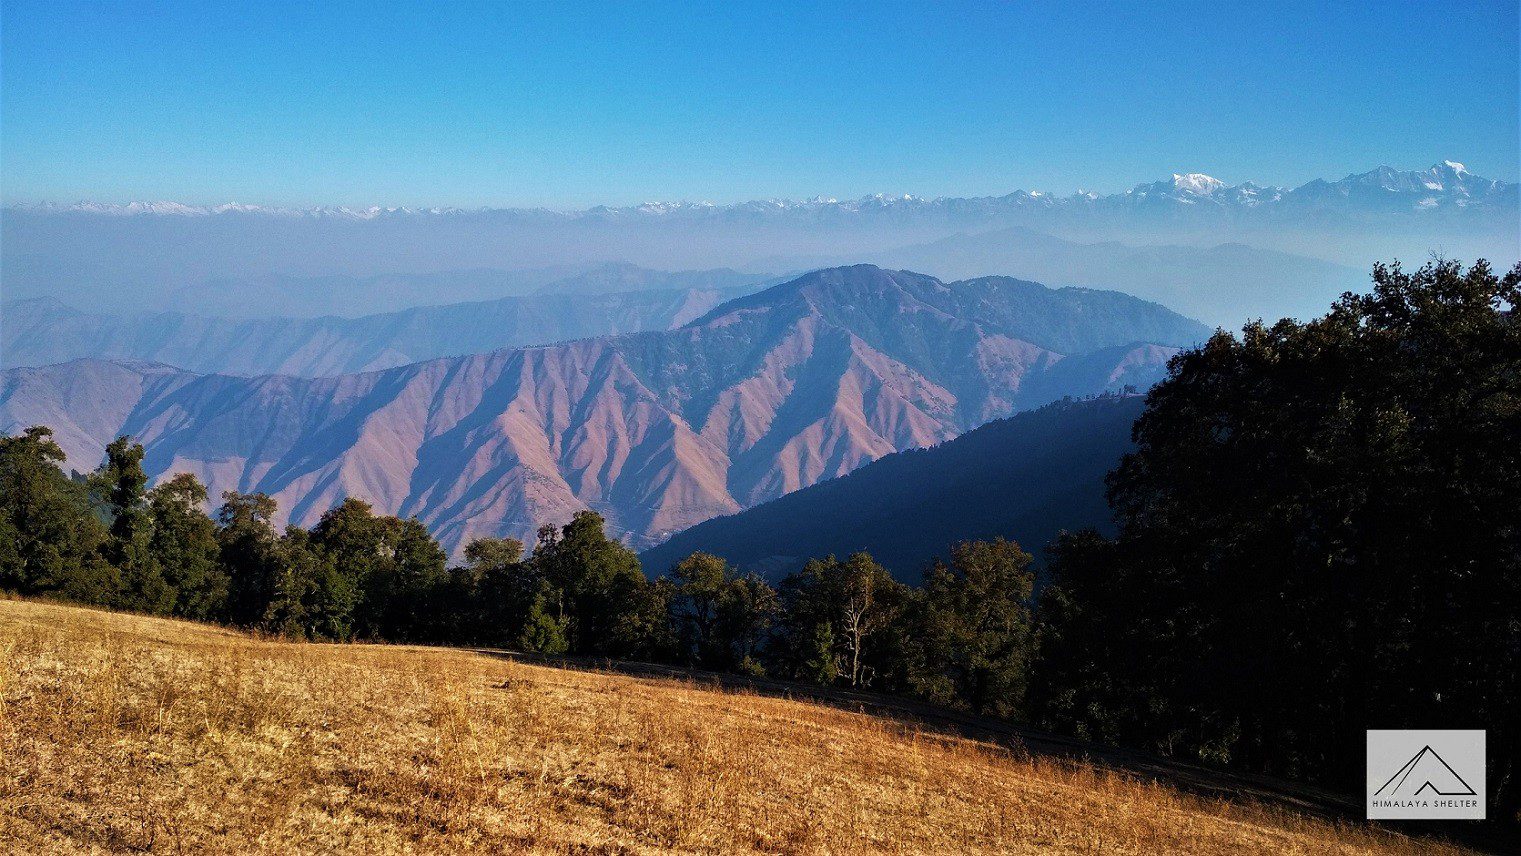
[(123, 484)]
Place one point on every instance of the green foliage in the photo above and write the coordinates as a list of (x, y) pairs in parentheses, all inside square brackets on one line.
[(721, 617), (747, 609), (543, 629), (185, 544), (701, 580), (494, 592), (50, 540), (837, 621), (811, 652), (1320, 532), (314, 596), (395, 566), (973, 634), (592, 585), (250, 554), (124, 485), (641, 628)]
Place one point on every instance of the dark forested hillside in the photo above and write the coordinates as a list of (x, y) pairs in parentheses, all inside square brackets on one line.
[(1024, 478), (1319, 532)]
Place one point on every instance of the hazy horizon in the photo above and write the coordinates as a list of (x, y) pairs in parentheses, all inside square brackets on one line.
[(826, 198), (992, 193)]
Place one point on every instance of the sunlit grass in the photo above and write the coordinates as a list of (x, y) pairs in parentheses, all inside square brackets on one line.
[(123, 733)]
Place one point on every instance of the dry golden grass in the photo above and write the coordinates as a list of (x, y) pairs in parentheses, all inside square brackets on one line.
[(127, 733)]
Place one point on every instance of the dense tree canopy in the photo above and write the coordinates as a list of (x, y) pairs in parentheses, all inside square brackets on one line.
[(721, 617), (1320, 532), (124, 486), (838, 621), (50, 539), (974, 633)]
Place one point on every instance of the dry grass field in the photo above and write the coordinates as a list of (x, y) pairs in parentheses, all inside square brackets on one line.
[(122, 733)]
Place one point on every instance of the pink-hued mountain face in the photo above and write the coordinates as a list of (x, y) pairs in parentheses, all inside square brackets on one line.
[(657, 431)]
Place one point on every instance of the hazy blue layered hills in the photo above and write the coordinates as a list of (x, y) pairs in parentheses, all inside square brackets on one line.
[(41, 331), (165, 256), (245, 297), (763, 395), (1026, 478)]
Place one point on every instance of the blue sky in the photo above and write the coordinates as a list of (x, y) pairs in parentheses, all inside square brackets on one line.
[(568, 105)]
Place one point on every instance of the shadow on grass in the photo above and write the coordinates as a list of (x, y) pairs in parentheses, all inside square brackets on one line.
[(1200, 780)]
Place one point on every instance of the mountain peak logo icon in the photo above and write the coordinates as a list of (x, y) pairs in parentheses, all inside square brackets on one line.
[(1426, 773)]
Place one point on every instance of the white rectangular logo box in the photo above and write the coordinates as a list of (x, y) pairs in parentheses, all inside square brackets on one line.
[(1425, 775)]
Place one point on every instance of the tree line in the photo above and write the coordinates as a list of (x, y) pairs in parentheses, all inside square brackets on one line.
[(1318, 532), (106, 538)]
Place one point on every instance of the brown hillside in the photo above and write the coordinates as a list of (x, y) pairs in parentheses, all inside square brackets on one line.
[(123, 733)]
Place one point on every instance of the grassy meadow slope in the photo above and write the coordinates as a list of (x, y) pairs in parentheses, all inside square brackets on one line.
[(124, 733)]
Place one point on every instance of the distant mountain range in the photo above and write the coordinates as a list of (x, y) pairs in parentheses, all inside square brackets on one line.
[(763, 395), (246, 261), (42, 331), (1025, 478), (1444, 185)]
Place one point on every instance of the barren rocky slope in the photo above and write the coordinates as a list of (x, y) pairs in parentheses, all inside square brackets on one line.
[(766, 394)]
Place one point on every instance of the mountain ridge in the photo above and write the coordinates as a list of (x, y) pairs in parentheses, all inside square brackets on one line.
[(246, 262), (656, 430)]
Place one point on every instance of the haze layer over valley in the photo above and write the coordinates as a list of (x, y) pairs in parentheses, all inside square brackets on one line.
[(43, 330), (1209, 249)]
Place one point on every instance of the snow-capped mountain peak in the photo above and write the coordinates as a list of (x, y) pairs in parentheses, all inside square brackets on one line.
[(1196, 183)]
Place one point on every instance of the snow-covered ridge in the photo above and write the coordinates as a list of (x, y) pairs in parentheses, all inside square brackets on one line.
[(1444, 185), (1196, 183)]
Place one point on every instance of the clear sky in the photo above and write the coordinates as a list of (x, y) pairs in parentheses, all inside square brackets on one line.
[(567, 105)]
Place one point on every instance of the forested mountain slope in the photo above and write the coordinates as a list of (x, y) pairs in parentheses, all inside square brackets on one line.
[(1025, 478)]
